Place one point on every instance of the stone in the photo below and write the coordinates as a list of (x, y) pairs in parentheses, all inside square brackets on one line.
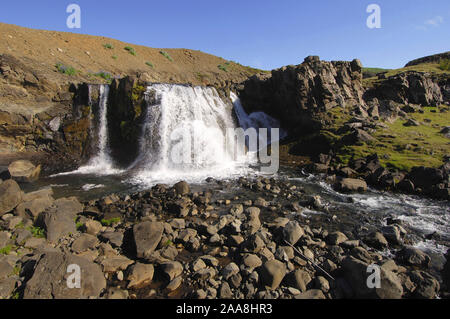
[(84, 243), (6, 269), (336, 238), (229, 270), (68, 206), (299, 279), (116, 293), (356, 274), (147, 236), (272, 273), (182, 188), (292, 232), (115, 238), (311, 294), (351, 185), (252, 261), (392, 234), (172, 269), (57, 224), (140, 274), (427, 286), (225, 291), (237, 210), (116, 263), (198, 264), (376, 240), (92, 227), (174, 284), (7, 287), (413, 257), (24, 171), (10, 196), (49, 279)]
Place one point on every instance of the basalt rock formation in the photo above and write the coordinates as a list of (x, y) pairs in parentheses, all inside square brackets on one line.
[(300, 95)]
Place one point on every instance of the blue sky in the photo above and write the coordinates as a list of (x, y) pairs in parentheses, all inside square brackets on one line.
[(265, 33)]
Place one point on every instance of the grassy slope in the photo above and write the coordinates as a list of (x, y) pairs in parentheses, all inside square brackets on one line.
[(89, 55)]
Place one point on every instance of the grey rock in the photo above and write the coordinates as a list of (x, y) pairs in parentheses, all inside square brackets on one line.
[(84, 243), (413, 257), (272, 273), (49, 280), (10, 196), (292, 232), (172, 269), (147, 236), (140, 274), (182, 188)]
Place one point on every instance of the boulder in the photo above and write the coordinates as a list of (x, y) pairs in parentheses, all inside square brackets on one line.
[(425, 177), (24, 171), (57, 224), (10, 196), (50, 278), (336, 238), (140, 274), (147, 236), (292, 232), (376, 240), (182, 188), (413, 257), (357, 275), (351, 185), (172, 269), (272, 273), (84, 243)]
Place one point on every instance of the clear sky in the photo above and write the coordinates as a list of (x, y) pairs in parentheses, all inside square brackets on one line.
[(261, 33)]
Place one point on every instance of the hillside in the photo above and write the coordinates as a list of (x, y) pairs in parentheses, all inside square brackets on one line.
[(49, 60)]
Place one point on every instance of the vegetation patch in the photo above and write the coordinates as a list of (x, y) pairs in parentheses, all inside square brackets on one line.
[(64, 69), (37, 232), (223, 67), (445, 65), (108, 46), (6, 250), (130, 50), (149, 64), (166, 55), (105, 76), (110, 222)]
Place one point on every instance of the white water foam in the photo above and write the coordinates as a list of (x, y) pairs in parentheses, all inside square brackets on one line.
[(177, 111)]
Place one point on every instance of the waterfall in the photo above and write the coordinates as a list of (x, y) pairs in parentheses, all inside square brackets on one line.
[(101, 163), (184, 136), (255, 120)]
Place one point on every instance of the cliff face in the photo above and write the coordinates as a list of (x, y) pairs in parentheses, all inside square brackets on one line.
[(300, 95)]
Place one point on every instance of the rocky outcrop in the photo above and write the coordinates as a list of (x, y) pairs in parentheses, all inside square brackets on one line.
[(409, 87), (24, 171), (436, 58), (300, 95)]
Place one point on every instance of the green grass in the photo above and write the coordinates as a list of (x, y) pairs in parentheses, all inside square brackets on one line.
[(108, 46), (109, 222), (114, 57), (37, 232), (401, 147), (166, 55), (434, 68), (130, 50), (149, 64), (64, 69), (6, 250), (223, 67), (444, 65), (79, 226), (105, 75)]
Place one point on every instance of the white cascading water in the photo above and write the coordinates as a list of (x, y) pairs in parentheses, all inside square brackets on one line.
[(255, 120), (101, 163), (185, 136)]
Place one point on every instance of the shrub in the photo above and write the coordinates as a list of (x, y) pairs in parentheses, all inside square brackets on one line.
[(105, 75), (166, 55), (149, 64), (222, 67), (37, 232), (64, 69), (108, 46), (130, 50), (114, 57)]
